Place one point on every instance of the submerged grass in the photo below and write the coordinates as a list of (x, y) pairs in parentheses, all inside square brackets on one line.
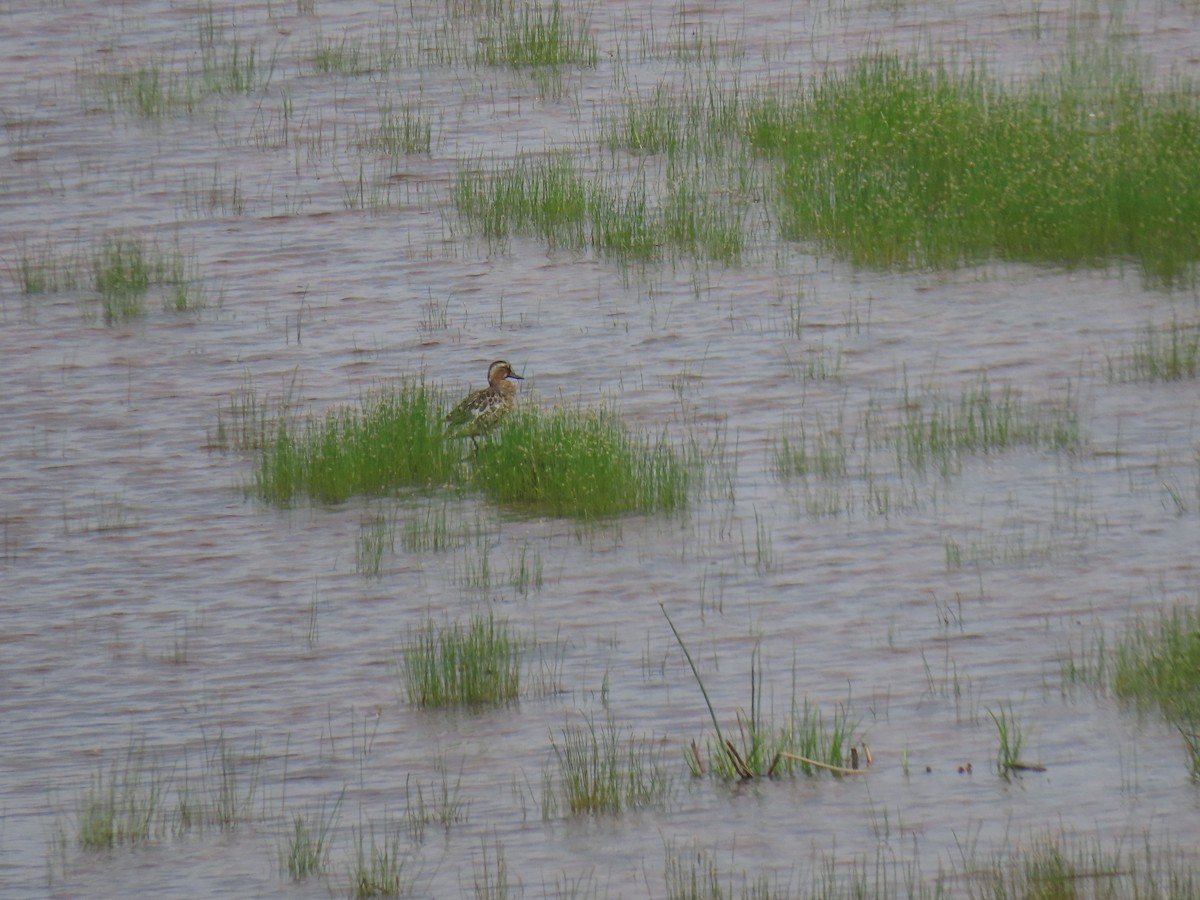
[(1160, 354), (475, 665), (1158, 666), (601, 770), (804, 743), (938, 431), (122, 804), (580, 463), (393, 439), (530, 35)]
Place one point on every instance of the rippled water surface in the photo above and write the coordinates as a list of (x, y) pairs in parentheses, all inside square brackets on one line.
[(146, 602)]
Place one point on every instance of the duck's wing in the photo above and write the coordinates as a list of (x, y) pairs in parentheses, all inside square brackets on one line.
[(476, 411)]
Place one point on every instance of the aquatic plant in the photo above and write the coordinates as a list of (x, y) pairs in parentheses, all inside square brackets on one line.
[(122, 804), (306, 850), (1158, 666), (804, 743), (479, 664), (896, 162), (124, 268), (443, 807), (1160, 354), (601, 769), (393, 439), (527, 35), (580, 463), (377, 867)]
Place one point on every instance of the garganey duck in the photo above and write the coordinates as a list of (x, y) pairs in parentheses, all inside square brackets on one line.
[(480, 411)]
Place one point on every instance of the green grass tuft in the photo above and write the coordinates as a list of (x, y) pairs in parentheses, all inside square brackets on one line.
[(601, 770), (479, 665), (1170, 354), (393, 439), (122, 805), (527, 35), (1158, 666), (579, 463)]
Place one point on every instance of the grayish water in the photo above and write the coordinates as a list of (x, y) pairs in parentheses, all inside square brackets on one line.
[(144, 599)]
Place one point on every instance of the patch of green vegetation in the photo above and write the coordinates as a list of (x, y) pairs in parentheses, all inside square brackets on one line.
[(602, 770), (530, 36), (550, 198), (1010, 737), (41, 270), (901, 163), (125, 268), (443, 807), (393, 439), (123, 804), (231, 69), (306, 852), (377, 868), (400, 132), (580, 463), (823, 453), (376, 536), (804, 743), (1169, 354), (476, 665), (938, 431), (1158, 667)]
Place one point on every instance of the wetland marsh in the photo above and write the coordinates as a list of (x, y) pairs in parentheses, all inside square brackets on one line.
[(843, 541)]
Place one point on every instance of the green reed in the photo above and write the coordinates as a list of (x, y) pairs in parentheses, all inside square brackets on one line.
[(474, 665), (603, 770), (528, 35), (392, 439), (582, 463), (903, 163)]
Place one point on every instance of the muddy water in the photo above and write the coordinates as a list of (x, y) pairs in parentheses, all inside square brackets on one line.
[(144, 600)]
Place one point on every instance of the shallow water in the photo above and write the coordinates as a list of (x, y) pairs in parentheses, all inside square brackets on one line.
[(145, 599)]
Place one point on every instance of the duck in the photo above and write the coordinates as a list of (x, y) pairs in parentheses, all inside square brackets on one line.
[(482, 410)]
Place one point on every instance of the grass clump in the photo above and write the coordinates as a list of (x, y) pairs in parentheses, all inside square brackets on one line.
[(1170, 354), (393, 439), (579, 463), (939, 431), (40, 270), (476, 665), (306, 852), (529, 35), (1158, 666), (802, 744), (602, 771), (377, 868), (122, 805), (400, 132), (551, 199), (124, 269), (899, 163)]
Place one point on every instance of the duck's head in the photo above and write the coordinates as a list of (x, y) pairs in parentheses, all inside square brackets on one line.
[(499, 370)]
